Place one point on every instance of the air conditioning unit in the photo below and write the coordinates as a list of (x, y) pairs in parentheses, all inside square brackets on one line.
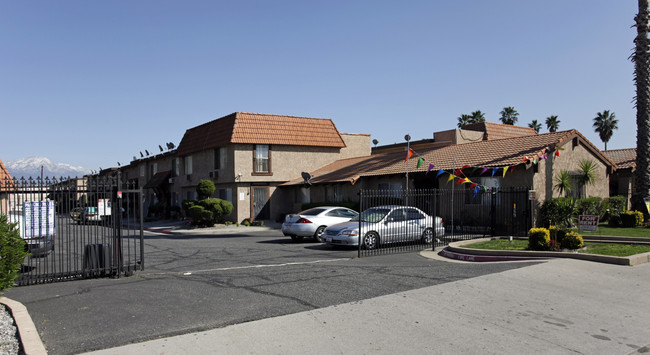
[(171, 180), (214, 174)]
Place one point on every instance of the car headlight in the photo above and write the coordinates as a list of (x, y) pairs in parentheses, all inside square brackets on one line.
[(349, 232)]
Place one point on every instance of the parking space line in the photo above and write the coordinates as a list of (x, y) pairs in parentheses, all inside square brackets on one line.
[(187, 273)]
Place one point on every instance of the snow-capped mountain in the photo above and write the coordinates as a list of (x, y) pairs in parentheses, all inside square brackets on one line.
[(31, 166)]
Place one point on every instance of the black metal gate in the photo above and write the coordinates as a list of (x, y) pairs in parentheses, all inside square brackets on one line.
[(75, 227), (407, 220)]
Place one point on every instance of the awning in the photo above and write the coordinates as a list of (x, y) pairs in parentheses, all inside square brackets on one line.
[(158, 179)]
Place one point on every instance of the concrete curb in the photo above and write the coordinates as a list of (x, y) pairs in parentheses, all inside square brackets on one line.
[(457, 247), (27, 332)]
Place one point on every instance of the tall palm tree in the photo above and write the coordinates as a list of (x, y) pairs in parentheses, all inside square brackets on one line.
[(477, 116), (641, 59), (552, 123), (509, 115), (604, 124), (463, 120), (535, 125)]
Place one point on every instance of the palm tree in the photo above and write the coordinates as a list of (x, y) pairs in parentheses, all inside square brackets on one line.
[(535, 125), (563, 182), (552, 123), (604, 124), (509, 115), (477, 116), (641, 59), (587, 173), (463, 120)]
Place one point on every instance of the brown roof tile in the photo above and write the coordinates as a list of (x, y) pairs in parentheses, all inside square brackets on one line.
[(623, 158), (4, 174), (491, 153), (257, 128)]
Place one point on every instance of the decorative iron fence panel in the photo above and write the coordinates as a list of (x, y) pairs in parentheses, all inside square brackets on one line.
[(76, 227), (408, 220)]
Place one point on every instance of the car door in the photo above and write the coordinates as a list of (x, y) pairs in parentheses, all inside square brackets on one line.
[(416, 223), (394, 226)]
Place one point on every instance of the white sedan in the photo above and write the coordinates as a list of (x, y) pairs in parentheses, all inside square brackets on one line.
[(312, 222)]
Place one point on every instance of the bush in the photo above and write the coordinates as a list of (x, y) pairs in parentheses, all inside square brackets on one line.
[(572, 240), (200, 216), (538, 239), (12, 253), (187, 204), (219, 208), (246, 222), (205, 189), (558, 211), (631, 219), (616, 204), (557, 233), (590, 206)]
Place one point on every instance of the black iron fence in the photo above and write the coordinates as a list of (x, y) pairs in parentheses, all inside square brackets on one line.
[(407, 220), (75, 228)]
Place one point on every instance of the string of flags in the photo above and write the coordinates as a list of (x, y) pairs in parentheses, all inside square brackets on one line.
[(463, 179)]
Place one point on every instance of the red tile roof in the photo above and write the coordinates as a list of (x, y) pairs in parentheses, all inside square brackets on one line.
[(4, 174), (257, 128), (500, 131), (624, 158), (491, 153)]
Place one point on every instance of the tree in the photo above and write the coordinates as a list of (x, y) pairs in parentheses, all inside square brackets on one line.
[(12, 253), (509, 115), (463, 120), (552, 123), (205, 189), (604, 124), (587, 173), (563, 183), (641, 59), (535, 125), (476, 117)]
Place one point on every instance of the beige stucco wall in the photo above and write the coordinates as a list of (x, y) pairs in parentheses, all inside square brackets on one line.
[(356, 145)]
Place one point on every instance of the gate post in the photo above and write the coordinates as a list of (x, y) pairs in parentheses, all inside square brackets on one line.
[(360, 210), (493, 210)]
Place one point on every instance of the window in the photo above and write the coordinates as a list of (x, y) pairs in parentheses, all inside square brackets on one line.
[(579, 189), (191, 195), (413, 214), (188, 165), (391, 189), (262, 159), (225, 194), (154, 169), (481, 198), (333, 193), (175, 170), (220, 158), (142, 170)]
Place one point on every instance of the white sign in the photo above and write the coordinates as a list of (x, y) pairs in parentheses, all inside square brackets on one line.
[(104, 207), (242, 196), (588, 223), (38, 218)]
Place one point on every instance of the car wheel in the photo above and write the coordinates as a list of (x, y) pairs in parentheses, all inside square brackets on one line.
[(319, 234), (296, 238), (427, 236), (371, 241)]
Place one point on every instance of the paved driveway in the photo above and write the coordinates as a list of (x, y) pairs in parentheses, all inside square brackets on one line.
[(199, 282)]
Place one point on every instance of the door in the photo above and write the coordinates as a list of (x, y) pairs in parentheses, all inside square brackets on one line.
[(260, 203)]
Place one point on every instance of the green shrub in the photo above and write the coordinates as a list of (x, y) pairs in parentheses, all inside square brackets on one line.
[(538, 239), (12, 253), (572, 240), (187, 204), (219, 208), (615, 221), (557, 233), (590, 206), (200, 216), (558, 211), (205, 189), (631, 219), (246, 222), (616, 204)]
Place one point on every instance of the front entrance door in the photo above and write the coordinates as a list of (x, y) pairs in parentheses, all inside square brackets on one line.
[(260, 203)]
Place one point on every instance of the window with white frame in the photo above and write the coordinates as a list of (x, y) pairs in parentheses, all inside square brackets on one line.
[(225, 194), (262, 159)]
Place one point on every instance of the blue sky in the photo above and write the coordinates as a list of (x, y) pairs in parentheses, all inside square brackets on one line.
[(91, 83)]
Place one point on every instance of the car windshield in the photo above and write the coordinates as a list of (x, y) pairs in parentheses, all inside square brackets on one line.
[(372, 215)]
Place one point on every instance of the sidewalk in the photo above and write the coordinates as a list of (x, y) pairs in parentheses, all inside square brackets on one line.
[(556, 307)]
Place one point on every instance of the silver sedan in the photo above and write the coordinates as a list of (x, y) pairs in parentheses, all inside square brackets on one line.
[(384, 225), (312, 222)]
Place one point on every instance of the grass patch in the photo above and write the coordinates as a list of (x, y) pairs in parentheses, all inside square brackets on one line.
[(610, 249), (620, 232)]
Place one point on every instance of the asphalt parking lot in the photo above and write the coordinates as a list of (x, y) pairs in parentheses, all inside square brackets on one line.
[(199, 282)]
